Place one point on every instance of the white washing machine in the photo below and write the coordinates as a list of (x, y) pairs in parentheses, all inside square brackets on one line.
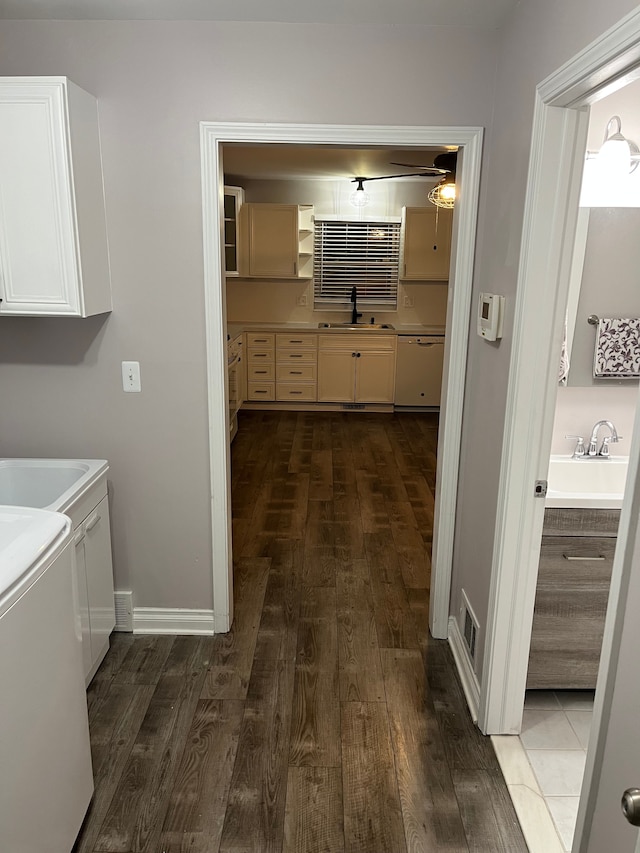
[(46, 781)]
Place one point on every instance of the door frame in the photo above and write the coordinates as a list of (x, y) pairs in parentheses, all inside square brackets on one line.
[(551, 212), (212, 136)]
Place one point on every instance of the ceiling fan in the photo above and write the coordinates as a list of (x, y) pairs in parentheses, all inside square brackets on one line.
[(442, 195)]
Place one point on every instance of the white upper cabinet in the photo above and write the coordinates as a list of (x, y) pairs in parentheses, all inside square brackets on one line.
[(54, 258)]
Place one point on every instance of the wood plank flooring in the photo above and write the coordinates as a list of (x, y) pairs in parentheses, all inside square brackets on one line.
[(327, 720)]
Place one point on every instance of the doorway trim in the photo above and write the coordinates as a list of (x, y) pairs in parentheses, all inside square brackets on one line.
[(551, 212), (212, 136)]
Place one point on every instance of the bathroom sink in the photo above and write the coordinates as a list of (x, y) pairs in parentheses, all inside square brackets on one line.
[(360, 327), (589, 483), (47, 483)]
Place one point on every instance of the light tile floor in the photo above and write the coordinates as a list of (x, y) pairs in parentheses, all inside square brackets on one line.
[(555, 734)]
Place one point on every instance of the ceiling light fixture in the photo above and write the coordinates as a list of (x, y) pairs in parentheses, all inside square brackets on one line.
[(359, 197)]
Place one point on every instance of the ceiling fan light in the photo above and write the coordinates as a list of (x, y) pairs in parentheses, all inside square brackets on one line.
[(443, 194)]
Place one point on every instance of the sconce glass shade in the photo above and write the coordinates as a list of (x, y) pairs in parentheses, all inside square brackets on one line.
[(606, 178), (443, 194), (359, 197), (614, 157)]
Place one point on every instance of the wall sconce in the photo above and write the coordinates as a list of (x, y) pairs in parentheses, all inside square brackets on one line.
[(618, 156)]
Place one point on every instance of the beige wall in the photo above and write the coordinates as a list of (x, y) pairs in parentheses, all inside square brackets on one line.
[(155, 81), (265, 301), (539, 37)]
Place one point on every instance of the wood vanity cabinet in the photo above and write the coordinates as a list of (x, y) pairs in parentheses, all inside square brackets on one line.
[(276, 241), (53, 237), (426, 243), (358, 368), (574, 575)]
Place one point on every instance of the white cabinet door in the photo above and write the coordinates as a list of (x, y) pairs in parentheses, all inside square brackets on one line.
[(99, 569), (336, 376), (83, 601), (272, 235), (426, 243), (375, 377), (53, 244)]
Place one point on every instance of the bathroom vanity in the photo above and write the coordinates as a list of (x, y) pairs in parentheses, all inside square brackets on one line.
[(576, 559)]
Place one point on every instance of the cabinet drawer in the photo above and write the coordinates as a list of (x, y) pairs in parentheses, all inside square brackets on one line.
[(297, 356), (260, 390), (296, 372), (293, 391), (575, 563), (297, 341), (357, 342), (260, 372), (255, 356), (260, 339)]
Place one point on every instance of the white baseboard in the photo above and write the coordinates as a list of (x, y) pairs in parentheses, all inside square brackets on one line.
[(464, 666), (173, 620)]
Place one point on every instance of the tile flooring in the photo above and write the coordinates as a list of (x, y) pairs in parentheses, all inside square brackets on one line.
[(552, 744)]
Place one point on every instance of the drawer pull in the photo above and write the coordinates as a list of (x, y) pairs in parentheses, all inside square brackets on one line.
[(259, 355), (260, 372), (295, 392), (295, 373), (260, 340), (295, 355), (583, 559), (291, 341)]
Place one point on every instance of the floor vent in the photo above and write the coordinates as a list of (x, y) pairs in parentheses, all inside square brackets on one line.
[(470, 626), (352, 406), (124, 610)]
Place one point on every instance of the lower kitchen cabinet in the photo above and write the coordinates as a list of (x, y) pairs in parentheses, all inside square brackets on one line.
[(356, 368)]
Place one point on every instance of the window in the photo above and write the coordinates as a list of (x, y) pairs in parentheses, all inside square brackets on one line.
[(358, 254)]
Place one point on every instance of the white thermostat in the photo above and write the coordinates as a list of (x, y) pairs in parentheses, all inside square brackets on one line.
[(490, 316)]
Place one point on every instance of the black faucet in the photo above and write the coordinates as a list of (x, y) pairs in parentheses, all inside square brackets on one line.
[(354, 313)]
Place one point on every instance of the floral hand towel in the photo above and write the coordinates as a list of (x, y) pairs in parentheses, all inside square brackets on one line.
[(617, 352)]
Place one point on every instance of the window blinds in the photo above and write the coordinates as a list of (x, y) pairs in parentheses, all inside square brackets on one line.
[(361, 254)]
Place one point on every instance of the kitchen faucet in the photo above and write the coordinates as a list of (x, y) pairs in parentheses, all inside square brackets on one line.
[(354, 313), (608, 439)]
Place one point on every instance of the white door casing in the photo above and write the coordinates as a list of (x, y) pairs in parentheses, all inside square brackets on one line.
[(212, 136)]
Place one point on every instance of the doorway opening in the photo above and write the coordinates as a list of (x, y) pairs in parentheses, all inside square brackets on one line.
[(213, 137)]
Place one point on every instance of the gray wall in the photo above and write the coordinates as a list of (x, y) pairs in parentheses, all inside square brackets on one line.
[(610, 285), (155, 81), (539, 37)]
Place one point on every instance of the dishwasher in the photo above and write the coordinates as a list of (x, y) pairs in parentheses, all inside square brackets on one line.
[(419, 370)]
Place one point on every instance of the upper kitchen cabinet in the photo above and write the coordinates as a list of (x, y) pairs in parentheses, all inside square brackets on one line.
[(233, 201), (276, 240), (54, 257), (426, 242)]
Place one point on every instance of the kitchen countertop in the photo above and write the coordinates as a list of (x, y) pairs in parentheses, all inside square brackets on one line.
[(234, 329)]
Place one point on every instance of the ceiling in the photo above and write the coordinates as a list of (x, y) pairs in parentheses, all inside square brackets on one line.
[(453, 13), (308, 162)]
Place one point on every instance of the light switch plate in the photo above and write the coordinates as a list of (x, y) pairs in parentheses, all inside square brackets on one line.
[(131, 376)]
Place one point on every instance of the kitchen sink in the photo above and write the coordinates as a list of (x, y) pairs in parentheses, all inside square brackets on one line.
[(359, 326)]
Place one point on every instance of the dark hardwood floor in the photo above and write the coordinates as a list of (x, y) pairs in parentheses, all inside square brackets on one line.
[(327, 719)]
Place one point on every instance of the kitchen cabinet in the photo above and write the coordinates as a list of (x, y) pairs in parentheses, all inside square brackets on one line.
[(426, 243), (358, 368), (296, 367), (574, 574), (53, 239), (233, 201), (261, 366), (276, 241)]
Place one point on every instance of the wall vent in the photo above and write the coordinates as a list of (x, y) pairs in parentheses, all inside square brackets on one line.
[(469, 626), (352, 406), (124, 610)]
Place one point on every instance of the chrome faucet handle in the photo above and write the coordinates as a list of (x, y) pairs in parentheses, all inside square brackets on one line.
[(606, 441), (579, 450)]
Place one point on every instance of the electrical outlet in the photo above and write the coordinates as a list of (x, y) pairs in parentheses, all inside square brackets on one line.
[(302, 300), (408, 301)]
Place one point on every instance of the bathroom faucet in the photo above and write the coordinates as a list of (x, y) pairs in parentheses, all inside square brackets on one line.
[(606, 441), (354, 313)]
